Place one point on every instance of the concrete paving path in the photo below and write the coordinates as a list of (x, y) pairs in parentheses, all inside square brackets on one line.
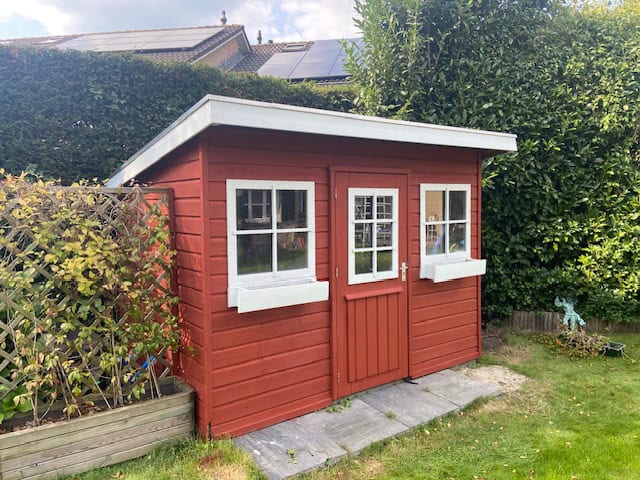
[(320, 438)]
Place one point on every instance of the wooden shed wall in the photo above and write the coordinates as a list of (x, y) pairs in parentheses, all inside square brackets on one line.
[(272, 365), (182, 172)]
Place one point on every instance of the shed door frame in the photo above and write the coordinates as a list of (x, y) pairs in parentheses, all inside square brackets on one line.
[(334, 273)]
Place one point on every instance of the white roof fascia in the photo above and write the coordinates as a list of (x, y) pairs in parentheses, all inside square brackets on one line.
[(215, 110)]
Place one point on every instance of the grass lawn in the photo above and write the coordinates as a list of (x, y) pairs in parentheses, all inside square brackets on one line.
[(577, 419)]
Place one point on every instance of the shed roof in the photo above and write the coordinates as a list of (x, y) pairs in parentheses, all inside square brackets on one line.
[(214, 110)]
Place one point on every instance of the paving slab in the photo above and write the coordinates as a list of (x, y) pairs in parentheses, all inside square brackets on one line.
[(310, 441), (288, 448), (355, 427), (457, 388), (408, 403)]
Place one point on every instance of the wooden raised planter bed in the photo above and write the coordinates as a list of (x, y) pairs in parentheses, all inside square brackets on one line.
[(101, 439)]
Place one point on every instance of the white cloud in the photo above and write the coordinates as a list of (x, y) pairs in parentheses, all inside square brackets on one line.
[(279, 20), (53, 19), (319, 20)]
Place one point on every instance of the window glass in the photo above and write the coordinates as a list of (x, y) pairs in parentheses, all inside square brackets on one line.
[(434, 239), (292, 250), (434, 206), (364, 262), (445, 220), (363, 207), (291, 208), (384, 207), (254, 253), (384, 261), (384, 235), (457, 237), (363, 237), (457, 205), (253, 209)]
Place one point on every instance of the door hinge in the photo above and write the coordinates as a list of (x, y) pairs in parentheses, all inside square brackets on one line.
[(338, 377), (336, 272), (335, 193)]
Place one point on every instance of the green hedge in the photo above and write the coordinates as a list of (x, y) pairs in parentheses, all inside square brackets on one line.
[(74, 115), (560, 217)]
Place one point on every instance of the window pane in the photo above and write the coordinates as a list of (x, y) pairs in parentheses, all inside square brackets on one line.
[(253, 209), (457, 205), (363, 208), (385, 235), (434, 206), (363, 235), (364, 262), (384, 207), (292, 208), (457, 237), (292, 251), (254, 253), (384, 261), (434, 239)]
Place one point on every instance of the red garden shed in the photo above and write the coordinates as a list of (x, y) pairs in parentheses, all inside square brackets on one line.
[(319, 253)]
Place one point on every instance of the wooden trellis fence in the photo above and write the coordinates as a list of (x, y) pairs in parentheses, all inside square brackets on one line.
[(24, 254)]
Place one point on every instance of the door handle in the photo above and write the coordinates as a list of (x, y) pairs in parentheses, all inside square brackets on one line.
[(404, 269)]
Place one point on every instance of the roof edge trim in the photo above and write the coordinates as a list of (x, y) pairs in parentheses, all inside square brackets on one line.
[(217, 110)]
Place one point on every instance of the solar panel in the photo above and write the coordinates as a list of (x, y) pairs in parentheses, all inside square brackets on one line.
[(144, 40), (281, 71), (311, 70)]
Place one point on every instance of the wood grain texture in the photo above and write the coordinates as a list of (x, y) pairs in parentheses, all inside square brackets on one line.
[(101, 439)]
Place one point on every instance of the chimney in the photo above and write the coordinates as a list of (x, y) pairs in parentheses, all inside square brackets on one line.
[(223, 19), (270, 41), (259, 37)]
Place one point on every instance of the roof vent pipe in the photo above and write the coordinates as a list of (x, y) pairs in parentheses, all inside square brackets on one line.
[(223, 19), (259, 37)]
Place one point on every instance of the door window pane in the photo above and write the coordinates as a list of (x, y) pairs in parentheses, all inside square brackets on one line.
[(434, 206), (384, 262), (384, 235), (363, 237), (254, 253), (384, 207), (292, 250), (253, 209), (434, 239), (457, 205), (291, 208), (457, 237), (364, 262), (363, 208)]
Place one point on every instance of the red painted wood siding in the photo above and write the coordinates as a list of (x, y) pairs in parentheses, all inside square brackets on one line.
[(182, 172), (271, 365), (256, 369)]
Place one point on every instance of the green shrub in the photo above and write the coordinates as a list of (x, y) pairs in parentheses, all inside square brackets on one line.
[(84, 282), (74, 115), (560, 217)]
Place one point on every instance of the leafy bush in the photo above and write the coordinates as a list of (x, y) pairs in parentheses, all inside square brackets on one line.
[(84, 280), (560, 217), (74, 115)]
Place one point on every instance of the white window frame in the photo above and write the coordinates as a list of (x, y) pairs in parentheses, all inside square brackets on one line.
[(274, 278), (374, 276), (447, 266)]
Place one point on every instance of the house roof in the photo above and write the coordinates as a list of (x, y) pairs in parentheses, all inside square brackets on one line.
[(260, 54), (215, 110), (208, 38)]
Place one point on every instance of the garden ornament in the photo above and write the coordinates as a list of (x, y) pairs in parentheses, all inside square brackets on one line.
[(571, 317)]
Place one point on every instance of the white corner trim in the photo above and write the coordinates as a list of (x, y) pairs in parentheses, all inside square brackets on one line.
[(252, 299), (451, 270), (217, 110)]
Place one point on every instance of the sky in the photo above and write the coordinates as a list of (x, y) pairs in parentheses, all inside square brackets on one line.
[(279, 20)]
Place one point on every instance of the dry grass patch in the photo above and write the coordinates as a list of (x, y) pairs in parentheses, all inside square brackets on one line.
[(516, 355), (220, 471)]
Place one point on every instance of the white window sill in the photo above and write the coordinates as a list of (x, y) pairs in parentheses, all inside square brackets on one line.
[(251, 298), (451, 269)]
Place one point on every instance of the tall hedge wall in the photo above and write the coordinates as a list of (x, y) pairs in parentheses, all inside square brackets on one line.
[(562, 216), (74, 115)]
